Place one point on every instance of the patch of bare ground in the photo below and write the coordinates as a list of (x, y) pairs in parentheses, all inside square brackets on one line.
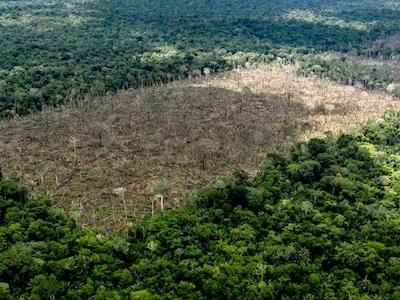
[(105, 159)]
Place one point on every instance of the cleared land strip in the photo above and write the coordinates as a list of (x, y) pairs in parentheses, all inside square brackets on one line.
[(106, 158)]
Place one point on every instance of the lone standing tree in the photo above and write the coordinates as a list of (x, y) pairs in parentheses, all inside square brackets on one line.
[(159, 189)]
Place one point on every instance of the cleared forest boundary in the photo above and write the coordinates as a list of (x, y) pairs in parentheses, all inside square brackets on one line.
[(113, 157)]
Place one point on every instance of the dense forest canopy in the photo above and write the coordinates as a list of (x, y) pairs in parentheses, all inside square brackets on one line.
[(54, 51), (319, 222), (322, 224)]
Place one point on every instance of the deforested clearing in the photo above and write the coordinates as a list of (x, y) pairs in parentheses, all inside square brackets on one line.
[(111, 157)]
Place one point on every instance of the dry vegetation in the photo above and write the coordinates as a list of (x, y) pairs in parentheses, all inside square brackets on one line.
[(112, 157), (382, 68), (392, 42)]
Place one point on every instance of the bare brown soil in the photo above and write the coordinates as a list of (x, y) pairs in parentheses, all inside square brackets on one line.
[(104, 159)]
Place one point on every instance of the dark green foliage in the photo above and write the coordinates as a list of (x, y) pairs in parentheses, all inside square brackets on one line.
[(306, 171), (57, 51), (322, 224)]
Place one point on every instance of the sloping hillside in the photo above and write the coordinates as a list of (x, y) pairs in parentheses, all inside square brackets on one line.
[(322, 223), (106, 158)]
